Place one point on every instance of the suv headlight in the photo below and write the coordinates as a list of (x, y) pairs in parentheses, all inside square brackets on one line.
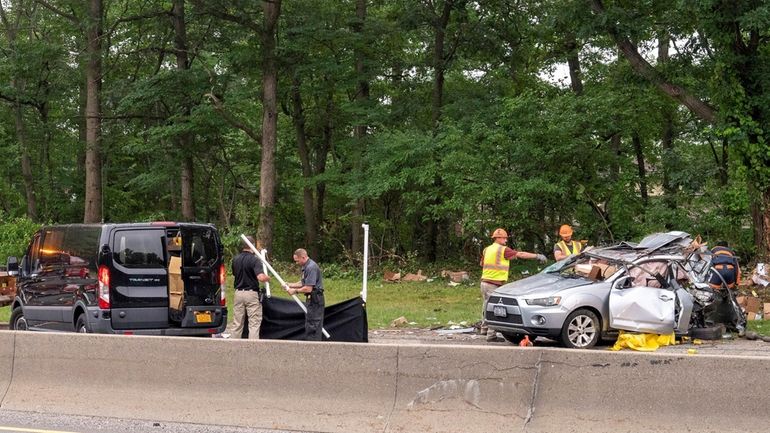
[(545, 302)]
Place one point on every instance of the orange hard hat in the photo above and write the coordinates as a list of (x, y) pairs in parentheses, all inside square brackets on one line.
[(565, 230), (499, 233)]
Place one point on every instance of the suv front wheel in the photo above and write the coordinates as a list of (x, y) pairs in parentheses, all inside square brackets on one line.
[(581, 329)]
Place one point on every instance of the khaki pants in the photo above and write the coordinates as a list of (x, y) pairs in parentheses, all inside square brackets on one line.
[(486, 290), (246, 303)]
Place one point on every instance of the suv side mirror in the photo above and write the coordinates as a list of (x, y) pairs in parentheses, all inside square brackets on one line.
[(620, 283), (13, 266)]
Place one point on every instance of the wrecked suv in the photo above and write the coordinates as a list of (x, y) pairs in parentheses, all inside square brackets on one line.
[(160, 278), (644, 287)]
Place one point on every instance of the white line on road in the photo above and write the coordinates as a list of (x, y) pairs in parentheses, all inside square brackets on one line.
[(30, 430)]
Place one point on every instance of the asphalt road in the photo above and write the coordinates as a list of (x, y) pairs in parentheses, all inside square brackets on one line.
[(31, 422)]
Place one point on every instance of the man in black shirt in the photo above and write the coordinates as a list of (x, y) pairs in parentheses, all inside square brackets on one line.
[(247, 272), (312, 286)]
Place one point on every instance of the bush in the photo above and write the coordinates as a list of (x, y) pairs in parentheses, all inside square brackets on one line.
[(15, 234)]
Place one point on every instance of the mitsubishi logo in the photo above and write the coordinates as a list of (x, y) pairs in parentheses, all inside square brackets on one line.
[(500, 301)]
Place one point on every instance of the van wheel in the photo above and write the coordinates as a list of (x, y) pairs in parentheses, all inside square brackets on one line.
[(18, 322), (81, 325)]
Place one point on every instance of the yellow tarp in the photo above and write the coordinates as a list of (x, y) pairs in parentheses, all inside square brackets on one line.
[(643, 342)]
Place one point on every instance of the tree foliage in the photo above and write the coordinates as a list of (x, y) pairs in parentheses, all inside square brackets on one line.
[(520, 114)]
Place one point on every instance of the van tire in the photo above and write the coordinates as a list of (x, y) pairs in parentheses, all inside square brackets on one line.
[(81, 326), (17, 321)]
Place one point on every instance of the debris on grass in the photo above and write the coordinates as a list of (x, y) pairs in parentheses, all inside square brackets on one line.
[(399, 322), (418, 277), (456, 276), (391, 277)]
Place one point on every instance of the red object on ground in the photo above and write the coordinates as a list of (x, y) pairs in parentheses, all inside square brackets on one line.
[(525, 342)]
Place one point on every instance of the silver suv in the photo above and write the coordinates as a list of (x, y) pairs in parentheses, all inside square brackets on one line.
[(636, 287)]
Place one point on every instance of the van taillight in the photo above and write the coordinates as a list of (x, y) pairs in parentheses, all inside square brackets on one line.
[(222, 285), (104, 287)]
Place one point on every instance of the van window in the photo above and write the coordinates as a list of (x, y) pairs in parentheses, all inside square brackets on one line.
[(139, 248), (82, 244), (32, 264), (52, 255), (200, 248)]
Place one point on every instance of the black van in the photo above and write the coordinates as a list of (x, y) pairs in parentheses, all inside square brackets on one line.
[(160, 278)]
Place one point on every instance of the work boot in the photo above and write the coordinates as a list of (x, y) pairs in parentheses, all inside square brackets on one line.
[(483, 330), (491, 335)]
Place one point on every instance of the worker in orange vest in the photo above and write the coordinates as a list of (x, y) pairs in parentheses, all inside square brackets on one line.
[(566, 246), (495, 261)]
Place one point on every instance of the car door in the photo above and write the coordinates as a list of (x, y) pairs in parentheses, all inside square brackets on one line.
[(139, 278), (643, 300), (201, 258)]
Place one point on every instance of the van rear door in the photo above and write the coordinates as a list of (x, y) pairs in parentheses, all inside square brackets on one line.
[(201, 260), (139, 278)]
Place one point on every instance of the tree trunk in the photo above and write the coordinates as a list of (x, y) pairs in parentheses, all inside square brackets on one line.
[(45, 120), (439, 63), (187, 175), (439, 68), (573, 61), (639, 149), (188, 213), (359, 131), (667, 137), (308, 202), (640, 65), (763, 229), (267, 174), (93, 196), (26, 160), (323, 152), (615, 146), (18, 85)]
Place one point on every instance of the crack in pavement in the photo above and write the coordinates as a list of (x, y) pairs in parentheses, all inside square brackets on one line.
[(531, 410), (395, 392)]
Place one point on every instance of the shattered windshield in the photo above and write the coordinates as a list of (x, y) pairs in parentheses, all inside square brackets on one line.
[(584, 266)]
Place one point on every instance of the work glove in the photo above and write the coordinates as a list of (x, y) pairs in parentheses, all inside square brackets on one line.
[(541, 258)]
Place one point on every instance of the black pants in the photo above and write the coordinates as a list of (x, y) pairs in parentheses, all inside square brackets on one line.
[(314, 320)]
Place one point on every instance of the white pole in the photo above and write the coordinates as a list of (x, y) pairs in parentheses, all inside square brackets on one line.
[(366, 260), (278, 277), (264, 269)]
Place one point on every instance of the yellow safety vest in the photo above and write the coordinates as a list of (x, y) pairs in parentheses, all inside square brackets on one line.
[(575, 247), (495, 265)]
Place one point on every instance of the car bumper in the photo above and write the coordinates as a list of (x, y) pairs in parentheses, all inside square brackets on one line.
[(101, 323), (514, 316)]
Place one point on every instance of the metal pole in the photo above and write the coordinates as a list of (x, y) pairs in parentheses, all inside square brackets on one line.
[(366, 260), (278, 277), (264, 269)]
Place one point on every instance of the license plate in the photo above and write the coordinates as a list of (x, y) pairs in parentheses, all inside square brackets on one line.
[(203, 317), (500, 311)]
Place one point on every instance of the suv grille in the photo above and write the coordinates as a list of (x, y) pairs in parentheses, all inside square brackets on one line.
[(510, 318), (506, 301)]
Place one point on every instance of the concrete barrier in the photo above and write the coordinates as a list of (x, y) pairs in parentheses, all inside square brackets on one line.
[(581, 391), (337, 387), (270, 384), (6, 362)]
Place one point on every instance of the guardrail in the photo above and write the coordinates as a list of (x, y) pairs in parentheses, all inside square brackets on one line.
[(338, 387)]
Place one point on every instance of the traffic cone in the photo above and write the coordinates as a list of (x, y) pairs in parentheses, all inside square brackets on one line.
[(525, 342)]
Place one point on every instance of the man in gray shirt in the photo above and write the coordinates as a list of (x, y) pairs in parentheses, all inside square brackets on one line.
[(312, 286)]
